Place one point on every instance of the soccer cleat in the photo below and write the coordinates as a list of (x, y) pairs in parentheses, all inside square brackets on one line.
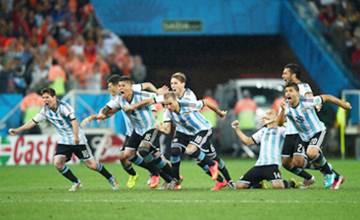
[(214, 170), (329, 180), (296, 184), (114, 183), (219, 185), (265, 184), (309, 182), (75, 187), (132, 181), (337, 182), (154, 181)]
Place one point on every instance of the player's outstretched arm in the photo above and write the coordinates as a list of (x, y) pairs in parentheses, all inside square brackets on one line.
[(336, 101), (24, 127), (75, 128), (213, 107), (280, 119), (140, 104), (243, 137)]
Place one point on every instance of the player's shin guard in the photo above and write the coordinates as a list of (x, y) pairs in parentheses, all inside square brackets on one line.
[(299, 172), (321, 163), (129, 169), (201, 158), (175, 160), (103, 171), (223, 169), (66, 172), (141, 163)]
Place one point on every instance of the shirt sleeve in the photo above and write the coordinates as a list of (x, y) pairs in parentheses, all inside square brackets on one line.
[(39, 117), (313, 101), (193, 105), (167, 116), (114, 103), (257, 136), (137, 87), (67, 111)]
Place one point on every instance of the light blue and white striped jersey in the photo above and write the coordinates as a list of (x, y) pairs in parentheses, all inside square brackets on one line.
[(271, 141), (142, 119), (304, 118), (304, 89), (188, 120), (61, 120), (188, 95)]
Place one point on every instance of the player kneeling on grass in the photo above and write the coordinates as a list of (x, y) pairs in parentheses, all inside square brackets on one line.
[(72, 138), (270, 138)]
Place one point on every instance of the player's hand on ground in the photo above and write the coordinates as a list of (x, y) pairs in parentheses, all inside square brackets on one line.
[(13, 131), (235, 124)]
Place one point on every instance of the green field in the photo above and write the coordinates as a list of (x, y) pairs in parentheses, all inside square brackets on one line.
[(39, 192)]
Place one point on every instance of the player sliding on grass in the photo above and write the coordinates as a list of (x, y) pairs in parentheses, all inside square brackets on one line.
[(270, 138), (72, 138)]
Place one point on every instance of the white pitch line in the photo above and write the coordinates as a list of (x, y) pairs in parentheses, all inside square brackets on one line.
[(162, 201)]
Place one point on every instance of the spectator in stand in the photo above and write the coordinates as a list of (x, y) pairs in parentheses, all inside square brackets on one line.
[(30, 105), (138, 73), (57, 78), (245, 110)]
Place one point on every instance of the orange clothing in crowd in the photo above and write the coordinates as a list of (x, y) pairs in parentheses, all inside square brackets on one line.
[(245, 104), (277, 103), (56, 71), (30, 100)]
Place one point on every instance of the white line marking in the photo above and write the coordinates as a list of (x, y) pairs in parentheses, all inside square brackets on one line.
[(162, 201)]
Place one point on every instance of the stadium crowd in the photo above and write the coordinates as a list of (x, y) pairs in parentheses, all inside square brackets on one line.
[(60, 44), (341, 22)]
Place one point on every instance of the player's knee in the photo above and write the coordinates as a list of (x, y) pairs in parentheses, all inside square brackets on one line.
[(240, 185), (128, 154), (298, 162), (91, 164), (312, 152), (144, 151), (59, 164), (286, 162), (278, 184)]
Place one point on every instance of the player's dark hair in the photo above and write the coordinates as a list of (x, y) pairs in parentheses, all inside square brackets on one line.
[(114, 79), (49, 91), (294, 85), (294, 69), (126, 79), (179, 76)]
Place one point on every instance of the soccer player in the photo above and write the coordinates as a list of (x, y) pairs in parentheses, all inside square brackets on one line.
[(72, 139), (144, 134), (178, 86), (193, 136), (294, 156), (113, 88), (300, 112), (270, 138)]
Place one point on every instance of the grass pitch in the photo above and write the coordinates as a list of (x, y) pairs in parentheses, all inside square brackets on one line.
[(39, 192)]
